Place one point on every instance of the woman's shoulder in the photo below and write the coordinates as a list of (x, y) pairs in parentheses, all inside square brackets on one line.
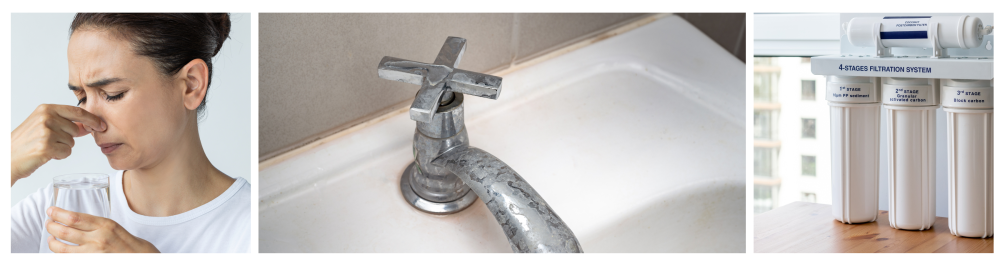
[(237, 197), (26, 219), (38, 200), (241, 185), (234, 209)]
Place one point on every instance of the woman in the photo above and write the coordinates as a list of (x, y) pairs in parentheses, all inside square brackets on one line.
[(141, 81)]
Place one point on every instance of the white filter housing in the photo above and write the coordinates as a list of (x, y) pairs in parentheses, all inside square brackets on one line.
[(968, 105), (917, 31), (854, 126), (910, 105)]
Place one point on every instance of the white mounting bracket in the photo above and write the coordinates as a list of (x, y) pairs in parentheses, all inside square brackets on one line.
[(939, 52), (880, 50)]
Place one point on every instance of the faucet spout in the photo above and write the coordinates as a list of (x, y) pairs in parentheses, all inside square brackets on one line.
[(529, 223)]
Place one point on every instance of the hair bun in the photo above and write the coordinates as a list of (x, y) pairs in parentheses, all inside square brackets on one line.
[(221, 23)]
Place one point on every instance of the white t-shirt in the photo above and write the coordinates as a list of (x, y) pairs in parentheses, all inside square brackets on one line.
[(221, 225)]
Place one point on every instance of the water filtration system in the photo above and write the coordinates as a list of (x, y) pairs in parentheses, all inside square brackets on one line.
[(912, 64)]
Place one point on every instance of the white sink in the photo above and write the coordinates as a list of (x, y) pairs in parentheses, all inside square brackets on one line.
[(637, 142)]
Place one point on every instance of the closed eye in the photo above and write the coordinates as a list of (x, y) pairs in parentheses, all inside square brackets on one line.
[(115, 97), (106, 96)]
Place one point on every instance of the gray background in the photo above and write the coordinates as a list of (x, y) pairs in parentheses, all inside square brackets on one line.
[(317, 71), (38, 76)]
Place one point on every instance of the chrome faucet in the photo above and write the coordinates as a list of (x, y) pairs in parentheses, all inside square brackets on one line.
[(447, 175)]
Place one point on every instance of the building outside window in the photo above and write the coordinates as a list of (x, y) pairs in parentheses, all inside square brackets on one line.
[(763, 198), (809, 128), (791, 134), (763, 162), (809, 90), (766, 144), (800, 131), (809, 166), (762, 123), (809, 197)]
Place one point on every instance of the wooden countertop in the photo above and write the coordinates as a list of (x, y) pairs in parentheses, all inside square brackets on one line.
[(810, 227)]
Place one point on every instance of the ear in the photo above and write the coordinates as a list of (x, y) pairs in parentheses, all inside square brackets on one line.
[(195, 77)]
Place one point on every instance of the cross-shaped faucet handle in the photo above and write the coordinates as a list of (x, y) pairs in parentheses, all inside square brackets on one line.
[(438, 80)]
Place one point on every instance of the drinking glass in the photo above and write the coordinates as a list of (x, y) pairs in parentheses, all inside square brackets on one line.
[(83, 193)]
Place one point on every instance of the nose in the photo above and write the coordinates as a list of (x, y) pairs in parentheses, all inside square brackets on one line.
[(94, 106), (91, 104)]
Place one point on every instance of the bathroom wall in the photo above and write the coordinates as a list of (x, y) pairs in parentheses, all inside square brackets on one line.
[(317, 71), (727, 29)]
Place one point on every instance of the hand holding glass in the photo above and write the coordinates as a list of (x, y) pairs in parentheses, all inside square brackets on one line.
[(83, 193)]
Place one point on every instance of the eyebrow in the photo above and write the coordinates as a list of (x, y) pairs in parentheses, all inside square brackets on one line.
[(98, 83)]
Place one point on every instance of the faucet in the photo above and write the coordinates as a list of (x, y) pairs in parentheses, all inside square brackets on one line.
[(447, 175)]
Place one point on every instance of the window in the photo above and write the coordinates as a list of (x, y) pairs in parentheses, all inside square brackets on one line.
[(786, 165), (809, 128), (763, 158), (778, 35), (809, 90), (763, 84), (762, 120), (809, 166), (809, 197), (765, 79), (763, 199), (762, 61)]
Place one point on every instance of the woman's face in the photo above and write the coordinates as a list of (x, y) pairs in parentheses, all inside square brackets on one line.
[(144, 109)]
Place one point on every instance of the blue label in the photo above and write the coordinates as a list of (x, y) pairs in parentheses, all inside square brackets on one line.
[(892, 35)]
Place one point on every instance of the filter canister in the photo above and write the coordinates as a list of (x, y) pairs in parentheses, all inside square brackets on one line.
[(854, 126), (911, 105), (968, 105)]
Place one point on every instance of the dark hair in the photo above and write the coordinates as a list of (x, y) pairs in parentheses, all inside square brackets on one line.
[(171, 40)]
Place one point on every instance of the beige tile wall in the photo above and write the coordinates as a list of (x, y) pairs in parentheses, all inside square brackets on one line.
[(317, 71), (727, 29)]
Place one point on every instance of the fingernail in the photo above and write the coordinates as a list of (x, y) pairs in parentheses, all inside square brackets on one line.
[(103, 126), (49, 211)]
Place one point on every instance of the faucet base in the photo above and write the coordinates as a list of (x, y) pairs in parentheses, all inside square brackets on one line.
[(429, 206)]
